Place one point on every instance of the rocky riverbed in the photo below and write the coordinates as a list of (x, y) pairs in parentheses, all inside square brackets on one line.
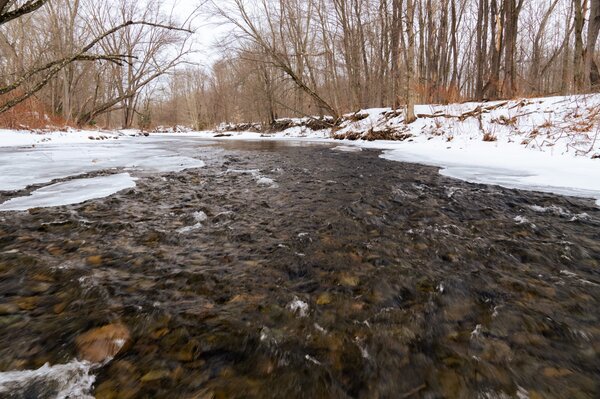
[(288, 271)]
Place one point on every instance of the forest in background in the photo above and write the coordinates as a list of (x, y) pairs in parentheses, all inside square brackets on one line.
[(119, 63)]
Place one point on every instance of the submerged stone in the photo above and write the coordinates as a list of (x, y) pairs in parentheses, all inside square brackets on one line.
[(101, 344)]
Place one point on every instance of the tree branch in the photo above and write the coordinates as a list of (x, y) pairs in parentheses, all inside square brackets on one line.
[(29, 7), (55, 67)]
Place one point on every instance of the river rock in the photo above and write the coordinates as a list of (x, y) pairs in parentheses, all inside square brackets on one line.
[(8, 309), (349, 280), (156, 375), (324, 299), (101, 344), (55, 251), (60, 307), (553, 372), (95, 260), (28, 303), (40, 288)]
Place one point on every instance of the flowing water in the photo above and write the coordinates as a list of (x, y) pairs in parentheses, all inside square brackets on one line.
[(287, 271)]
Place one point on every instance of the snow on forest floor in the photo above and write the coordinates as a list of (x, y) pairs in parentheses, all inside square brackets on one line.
[(548, 144)]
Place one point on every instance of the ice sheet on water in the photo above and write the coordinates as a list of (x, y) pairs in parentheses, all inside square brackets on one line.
[(506, 166), (347, 148), (167, 164), (22, 167), (71, 380), (71, 192)]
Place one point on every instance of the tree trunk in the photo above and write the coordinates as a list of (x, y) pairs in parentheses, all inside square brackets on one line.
[(410, 63), (512, 10), (578, 67), (481, 48), (591, 75)]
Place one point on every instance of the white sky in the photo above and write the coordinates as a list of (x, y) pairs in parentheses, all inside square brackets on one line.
[(207, 30)]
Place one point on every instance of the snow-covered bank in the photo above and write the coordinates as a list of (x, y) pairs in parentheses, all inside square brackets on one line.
[(507, 166), (548, 144), (24, 138)]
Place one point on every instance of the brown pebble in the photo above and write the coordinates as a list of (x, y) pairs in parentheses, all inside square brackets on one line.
[(553, 372), (95, 260), (102, 343), (59, 307)]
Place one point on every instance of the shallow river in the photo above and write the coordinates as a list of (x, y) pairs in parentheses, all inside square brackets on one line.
[(298, 271)]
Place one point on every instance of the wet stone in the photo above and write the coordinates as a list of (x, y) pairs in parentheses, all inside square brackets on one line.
[(102, 343), (60, 307), (8, 309), (553, 372), (324, 299), (155, 375), (28, 303), (40, 288), (95, 260)]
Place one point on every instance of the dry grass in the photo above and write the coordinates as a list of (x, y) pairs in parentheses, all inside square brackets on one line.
[(489, 137), (30, 114), (505, 121), (357, 117)]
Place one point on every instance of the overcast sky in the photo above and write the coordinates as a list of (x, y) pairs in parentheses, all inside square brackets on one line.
[(207, 30)]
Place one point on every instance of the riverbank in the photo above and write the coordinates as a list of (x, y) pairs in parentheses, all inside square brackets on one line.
[(547, 144)]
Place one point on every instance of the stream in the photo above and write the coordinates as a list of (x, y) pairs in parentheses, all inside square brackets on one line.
[(291, 270)]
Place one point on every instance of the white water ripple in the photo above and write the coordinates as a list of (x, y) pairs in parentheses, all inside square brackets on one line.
[(63, 381)]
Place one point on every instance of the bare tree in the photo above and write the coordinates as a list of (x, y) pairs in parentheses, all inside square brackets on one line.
[(36, 77), (267, 32), (592, 76)]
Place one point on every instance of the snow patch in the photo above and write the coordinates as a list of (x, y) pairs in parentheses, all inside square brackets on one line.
[(553, 209), (71, 192), (189, 229), (21, 138)]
